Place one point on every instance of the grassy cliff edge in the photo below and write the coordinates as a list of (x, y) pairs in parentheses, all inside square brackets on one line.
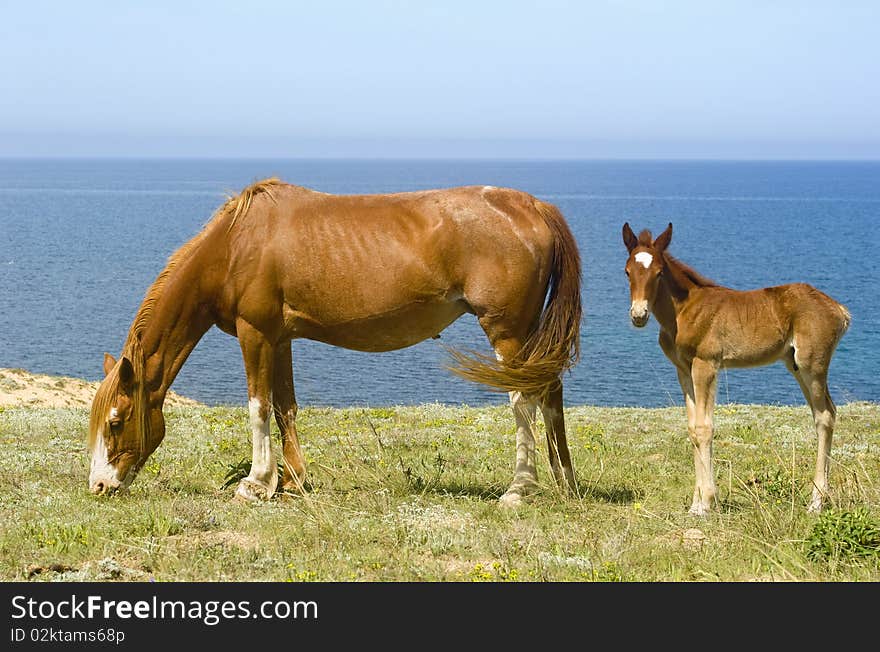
[(409, 494)]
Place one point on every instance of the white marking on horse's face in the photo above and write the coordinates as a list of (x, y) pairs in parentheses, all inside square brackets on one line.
[(638, 313), (102, 474), (644, 258), (114, 413)]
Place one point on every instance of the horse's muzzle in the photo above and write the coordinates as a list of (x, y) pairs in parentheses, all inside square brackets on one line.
[(103, 487), (639, 313)]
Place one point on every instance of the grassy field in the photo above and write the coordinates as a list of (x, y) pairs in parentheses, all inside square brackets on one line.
[(409, 494)]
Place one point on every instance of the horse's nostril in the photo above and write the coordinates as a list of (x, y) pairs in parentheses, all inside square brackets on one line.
[(99, 488)]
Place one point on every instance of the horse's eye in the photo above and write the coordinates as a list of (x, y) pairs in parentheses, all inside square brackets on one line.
[(115, 426), (626, 271)]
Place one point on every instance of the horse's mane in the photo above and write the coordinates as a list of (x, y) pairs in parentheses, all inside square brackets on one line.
[(683, 276), (233, 209), (107, 391), (688, 272)]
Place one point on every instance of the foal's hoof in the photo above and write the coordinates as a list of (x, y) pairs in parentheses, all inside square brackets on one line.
[(251, 491), (815, 506), (698, 510)]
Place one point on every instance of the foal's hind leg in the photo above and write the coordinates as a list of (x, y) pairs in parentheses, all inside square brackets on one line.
[(814, 385), (557, 445), (284, 398)]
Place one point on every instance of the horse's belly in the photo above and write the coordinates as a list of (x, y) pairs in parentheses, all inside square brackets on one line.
[(752, 352), (396, 329)]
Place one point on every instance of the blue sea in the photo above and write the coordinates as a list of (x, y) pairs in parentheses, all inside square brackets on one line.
[(81, 240)]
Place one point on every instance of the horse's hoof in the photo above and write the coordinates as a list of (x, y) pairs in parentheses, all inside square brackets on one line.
[(510, 500), (294, 487), (815, 507), (698, 510), (251, 491)]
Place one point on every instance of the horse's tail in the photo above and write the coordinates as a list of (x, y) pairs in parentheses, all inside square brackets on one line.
[(554, 346), (845, 321)]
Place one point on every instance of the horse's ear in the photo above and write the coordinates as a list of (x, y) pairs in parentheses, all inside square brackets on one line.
[(126, 374), (109, 363), (629, 238), (663, 239)]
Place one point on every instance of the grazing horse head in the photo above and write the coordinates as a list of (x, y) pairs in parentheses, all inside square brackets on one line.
[(123, 430), (644, 268)]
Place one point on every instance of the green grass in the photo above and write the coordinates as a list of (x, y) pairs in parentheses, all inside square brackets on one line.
[(410, 494)]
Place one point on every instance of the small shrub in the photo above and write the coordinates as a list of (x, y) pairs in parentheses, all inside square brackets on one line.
[(843, 535)]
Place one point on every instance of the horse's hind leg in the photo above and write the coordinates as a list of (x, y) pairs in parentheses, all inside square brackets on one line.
[(259, 357), (525, 472), (284, 398), (557, 445), (814, 385)]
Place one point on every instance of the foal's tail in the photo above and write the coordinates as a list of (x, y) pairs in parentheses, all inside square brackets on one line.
[(555, 345), (846, 318)]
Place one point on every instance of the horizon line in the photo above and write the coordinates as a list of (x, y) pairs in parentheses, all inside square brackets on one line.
[(426, 158)]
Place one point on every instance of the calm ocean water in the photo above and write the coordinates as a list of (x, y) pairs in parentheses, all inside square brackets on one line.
[(81, 240)]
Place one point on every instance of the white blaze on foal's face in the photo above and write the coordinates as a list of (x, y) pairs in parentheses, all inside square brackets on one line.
[(644, 258), (644, 281)]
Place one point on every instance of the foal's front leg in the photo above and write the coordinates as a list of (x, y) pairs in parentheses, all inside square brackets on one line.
[(258, 355), (703, 377)]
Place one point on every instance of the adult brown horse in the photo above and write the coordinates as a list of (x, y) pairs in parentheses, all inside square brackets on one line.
[(364, 272), (704, 327)]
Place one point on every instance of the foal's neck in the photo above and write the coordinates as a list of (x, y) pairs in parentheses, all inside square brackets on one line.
[(676, 286)]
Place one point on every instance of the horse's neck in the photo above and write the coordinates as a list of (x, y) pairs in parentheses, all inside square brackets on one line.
[(176, 320), (674, 291), (665, 309), (677, 287)]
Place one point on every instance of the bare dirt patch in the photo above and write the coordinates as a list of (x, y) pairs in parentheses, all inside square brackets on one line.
[(225, 538), (20, 388)]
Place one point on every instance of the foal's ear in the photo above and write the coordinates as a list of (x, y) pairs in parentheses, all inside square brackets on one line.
[(126, 374), (109, 363), (629, 238), (663, 239)]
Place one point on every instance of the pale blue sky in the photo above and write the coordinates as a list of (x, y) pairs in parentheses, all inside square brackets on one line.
[(544, 79)]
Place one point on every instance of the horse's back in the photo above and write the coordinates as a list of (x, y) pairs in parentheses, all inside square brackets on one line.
[(404, 263)]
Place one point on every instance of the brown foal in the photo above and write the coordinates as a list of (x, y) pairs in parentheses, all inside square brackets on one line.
[(366, 272), (705, 327)]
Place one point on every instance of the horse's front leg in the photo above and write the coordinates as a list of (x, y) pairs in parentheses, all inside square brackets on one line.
[(703, 377), (258, 356), (687, 389), (284, 397)]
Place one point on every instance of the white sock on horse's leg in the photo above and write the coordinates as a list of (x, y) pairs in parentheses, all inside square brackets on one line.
[(525, 474)]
